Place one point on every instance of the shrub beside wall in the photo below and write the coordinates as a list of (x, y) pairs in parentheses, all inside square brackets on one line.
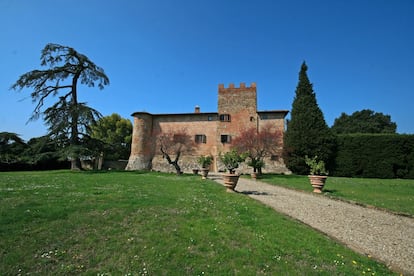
[(40, 166), (381, 156)]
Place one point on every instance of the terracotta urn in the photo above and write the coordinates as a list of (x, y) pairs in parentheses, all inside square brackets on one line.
[(230, 181), (254, 175), (317, 182)]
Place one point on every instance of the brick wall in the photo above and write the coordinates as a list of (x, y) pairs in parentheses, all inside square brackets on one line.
[(240, 103)]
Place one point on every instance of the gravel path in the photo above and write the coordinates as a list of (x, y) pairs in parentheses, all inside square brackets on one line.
[(385, 236)]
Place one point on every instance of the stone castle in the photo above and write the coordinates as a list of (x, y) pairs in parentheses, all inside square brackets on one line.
[(212, 131)]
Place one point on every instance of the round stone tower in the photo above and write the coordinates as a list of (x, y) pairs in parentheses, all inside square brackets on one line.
[(142, 146)]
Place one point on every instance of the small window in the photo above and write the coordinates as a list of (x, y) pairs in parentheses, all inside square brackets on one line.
[(225, 139), (200, 138), (225, 117), (274, 157)]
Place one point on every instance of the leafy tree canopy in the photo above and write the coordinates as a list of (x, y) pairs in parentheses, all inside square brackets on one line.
[(258, 144), (38, 153), (42, 149), (116, 134), (11, 147), (364, 121)]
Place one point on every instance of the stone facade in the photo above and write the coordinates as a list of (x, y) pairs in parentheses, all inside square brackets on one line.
[(237, 111)]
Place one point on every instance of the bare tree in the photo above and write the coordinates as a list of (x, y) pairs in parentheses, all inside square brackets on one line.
[(173, 144), (258, 144)]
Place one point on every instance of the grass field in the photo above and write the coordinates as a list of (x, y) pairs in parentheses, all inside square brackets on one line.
[(396, 195), (129, 223)]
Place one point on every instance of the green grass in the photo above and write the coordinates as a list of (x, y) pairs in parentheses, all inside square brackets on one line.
[(396, 195), (120, 223)]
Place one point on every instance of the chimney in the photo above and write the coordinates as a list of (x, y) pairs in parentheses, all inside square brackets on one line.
[(197, 109)]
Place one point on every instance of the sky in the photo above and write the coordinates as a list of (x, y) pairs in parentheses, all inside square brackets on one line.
[(167, 56)]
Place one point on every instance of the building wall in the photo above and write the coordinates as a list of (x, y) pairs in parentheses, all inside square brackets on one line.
[(192, 124), (240, 103), (142, 148)]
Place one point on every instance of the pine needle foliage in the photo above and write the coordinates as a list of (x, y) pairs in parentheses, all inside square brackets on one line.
[(307, 133), (65, 69)]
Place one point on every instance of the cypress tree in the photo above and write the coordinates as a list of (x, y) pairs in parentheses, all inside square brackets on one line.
[(307, 132)]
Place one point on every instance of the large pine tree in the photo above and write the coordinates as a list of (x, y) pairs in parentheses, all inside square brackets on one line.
[(307, 132), (68, 118)]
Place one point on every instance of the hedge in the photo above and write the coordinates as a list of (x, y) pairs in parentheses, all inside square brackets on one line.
[(374, 155), (40, 166)]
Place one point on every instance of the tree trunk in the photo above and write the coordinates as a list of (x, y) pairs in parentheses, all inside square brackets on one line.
[(174, 163), (75, 164), (177, 167), (74, 141), (100, 161)]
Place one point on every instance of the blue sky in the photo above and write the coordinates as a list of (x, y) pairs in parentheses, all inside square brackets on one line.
[(168, 56)]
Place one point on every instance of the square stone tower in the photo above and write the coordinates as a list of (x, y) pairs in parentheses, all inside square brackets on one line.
[(237, 109)]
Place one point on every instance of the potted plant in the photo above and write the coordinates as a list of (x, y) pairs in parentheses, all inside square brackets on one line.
[(205, 162), (317, 174), (257, 165), (231, 161)]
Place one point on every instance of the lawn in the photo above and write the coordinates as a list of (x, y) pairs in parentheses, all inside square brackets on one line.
[(396, 195), (130, 223)]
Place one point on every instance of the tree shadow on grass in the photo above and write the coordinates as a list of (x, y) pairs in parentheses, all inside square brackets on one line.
[(330, 192), (254, 193)]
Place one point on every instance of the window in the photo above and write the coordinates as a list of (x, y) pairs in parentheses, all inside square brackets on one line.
[(200, 138), (225, 117), (225, 139)]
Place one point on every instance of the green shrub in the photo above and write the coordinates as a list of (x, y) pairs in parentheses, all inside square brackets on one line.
[(375, 155), (316, 167), (205, 160)]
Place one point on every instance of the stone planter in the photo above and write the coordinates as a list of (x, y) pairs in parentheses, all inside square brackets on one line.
[(204, 173), (230, 181), (317, 182)]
